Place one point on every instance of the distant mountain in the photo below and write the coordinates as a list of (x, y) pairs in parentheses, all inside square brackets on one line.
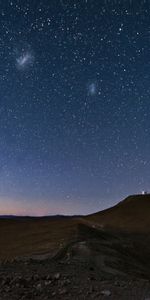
[(131, 214), (53, 217), (21, 236), (12, 217)]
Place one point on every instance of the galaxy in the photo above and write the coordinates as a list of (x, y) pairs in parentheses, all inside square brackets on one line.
[(92, 89), (24, 60), (74, 104), (23, 55)]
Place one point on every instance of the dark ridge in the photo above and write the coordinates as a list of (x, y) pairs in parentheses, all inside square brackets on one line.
[(57, 217), (130, 214)]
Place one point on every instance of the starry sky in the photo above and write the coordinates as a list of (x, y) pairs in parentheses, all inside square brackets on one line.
[(74, 104)]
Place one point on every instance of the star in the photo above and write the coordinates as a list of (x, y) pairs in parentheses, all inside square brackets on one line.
[(74, 112)]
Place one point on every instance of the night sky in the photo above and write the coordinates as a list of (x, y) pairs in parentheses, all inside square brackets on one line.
[(74, 104)]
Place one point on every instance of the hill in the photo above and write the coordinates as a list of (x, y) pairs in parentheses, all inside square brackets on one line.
[(26, 236), (131, 214), (99, 255)]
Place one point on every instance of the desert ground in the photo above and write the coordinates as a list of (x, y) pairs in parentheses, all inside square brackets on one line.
[(100, 256)]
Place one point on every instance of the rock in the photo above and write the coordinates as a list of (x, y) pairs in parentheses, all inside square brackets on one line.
[(57, 276), (118, 283), (39, 286), (47, 282), (17, 285), (67, 281), (106, 293)]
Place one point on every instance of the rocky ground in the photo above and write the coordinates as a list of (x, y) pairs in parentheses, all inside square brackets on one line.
[(45, 280), (103, 266), (94, 264)]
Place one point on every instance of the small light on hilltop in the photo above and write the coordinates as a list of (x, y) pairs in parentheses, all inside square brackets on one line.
[(144, 192)]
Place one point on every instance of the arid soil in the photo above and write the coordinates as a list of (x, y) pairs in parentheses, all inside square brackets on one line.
[(67, 280), (96, 265), (78, 258)]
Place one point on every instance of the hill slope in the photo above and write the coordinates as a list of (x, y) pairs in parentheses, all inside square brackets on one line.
[(100, 255), (21, 237), (132, 214)]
